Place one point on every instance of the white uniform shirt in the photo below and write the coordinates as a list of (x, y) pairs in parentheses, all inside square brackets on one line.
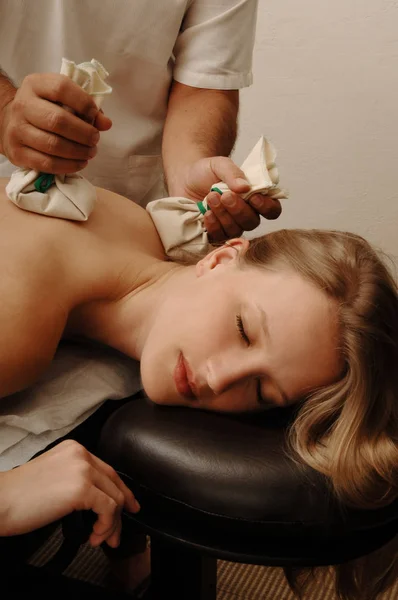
[(143, 44)]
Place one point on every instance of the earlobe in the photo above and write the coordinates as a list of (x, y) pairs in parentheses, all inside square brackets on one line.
[(223, 255)]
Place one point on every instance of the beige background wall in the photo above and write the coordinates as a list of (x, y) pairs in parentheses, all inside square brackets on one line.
[(326, 94)]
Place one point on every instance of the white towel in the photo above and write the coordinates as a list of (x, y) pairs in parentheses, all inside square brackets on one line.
[(63, 196), (80, 378), (180, 221)]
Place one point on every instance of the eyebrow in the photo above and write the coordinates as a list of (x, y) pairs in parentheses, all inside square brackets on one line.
[(264, 323)]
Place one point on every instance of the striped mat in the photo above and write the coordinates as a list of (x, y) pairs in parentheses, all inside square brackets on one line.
[(234, 581)]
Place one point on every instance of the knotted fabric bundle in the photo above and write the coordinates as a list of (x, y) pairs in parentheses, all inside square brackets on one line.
[(180, 221), (63, 196)]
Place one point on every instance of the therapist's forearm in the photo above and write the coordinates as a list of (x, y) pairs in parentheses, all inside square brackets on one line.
[(199, 123), (7, 93)]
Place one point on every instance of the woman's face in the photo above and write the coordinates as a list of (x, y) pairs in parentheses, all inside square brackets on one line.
[(239, 339)]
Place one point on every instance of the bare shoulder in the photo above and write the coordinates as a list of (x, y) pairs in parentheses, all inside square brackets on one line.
[(130, 219), (115, 219)]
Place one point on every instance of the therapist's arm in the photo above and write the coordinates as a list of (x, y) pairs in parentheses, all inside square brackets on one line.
[(199, 134), (200, 123)]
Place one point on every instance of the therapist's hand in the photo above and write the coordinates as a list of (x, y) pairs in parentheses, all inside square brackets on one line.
[(36, 132), (230, 215), (58, 482)]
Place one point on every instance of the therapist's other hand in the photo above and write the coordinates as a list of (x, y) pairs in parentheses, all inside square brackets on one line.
[(37, 132), (58, 482), (230, 215)]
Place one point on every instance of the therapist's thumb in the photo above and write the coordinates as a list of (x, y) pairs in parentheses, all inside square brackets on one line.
[(228, 172)]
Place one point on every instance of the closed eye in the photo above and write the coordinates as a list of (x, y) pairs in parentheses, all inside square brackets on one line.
[(241, 329)]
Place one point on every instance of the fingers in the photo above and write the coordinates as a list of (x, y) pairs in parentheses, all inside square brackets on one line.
[(230, 215), (45, 163), (108, 516), (55, 145), (113, 540), (99, 488), (266, 206), (110, 495), (50, 117), (61, 89), (39, 127), (64, 479), (219, 223), (130, 503), (102, 123)]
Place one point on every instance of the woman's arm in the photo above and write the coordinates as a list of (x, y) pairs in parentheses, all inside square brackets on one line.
[(31, 325), (58, 482)]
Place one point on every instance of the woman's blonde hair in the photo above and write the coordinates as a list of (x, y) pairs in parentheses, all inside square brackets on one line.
[(349, 430)]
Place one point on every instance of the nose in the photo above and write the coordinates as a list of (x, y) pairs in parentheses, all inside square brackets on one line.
[(232, 369)]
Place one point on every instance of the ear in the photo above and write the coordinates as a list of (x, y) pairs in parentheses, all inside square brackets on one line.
[(226, 254)]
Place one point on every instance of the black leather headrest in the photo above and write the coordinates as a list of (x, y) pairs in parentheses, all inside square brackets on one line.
[(234, 467)]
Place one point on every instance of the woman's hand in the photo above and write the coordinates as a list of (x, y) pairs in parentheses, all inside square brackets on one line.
[(38, 132), (59, 481)]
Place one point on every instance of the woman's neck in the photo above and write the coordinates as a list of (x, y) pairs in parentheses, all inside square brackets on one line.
[(124, 323)]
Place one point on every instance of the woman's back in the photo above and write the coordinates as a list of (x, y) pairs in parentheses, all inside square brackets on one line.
[(49, 266)]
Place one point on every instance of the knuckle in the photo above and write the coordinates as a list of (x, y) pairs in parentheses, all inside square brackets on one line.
[(17, 105), (222, 161), (60, 85), (112, 505), (112, 474), (89, 108), (53, 143), (119, 498), (47, 164), (73, 448), (220, 165), (30, 79), (54, 120), (110, 471), (14, 131), (12, 138), (14, 154)]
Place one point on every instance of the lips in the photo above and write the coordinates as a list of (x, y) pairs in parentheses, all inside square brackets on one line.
[(182, 376)]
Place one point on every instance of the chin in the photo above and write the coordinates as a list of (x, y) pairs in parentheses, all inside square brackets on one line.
[(157, 382), (153, 392)]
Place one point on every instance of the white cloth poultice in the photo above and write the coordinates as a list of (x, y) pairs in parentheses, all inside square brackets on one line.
[(63, 196), (180, 221)]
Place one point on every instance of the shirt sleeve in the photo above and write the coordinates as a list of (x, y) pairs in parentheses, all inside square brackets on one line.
[(215, 46)]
